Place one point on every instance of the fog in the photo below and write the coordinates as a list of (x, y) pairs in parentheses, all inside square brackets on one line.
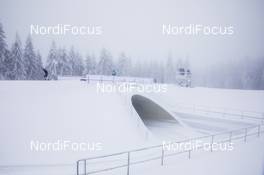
[(135, 27)]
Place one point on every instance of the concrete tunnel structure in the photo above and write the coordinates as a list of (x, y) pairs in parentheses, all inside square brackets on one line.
[(151, 113), (160, 121)]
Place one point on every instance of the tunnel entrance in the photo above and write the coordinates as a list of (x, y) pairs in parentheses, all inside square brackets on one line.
[(159, 121), (150, 111)]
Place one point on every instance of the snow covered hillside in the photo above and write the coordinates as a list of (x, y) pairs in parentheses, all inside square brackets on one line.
[(48, 111), (62, 110)]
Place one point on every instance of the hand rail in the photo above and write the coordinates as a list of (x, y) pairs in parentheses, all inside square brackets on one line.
[(222, 110), (163, 155), (109, 78)]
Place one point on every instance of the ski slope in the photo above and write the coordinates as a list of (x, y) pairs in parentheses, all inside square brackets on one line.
[(48, 111)]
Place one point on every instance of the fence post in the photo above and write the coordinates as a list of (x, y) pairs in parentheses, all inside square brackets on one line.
[(258, 130), (189, 156), (77, 168), (212, 141), (85, 167), (128, 162), (162, 155), (245, 138)]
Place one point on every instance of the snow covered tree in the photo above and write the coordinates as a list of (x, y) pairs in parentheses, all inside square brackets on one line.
[(76, 63), (67, 67), (262, 77), (39, 75), (90, 65), (79, 67), (60, 63), (51, 64), (123, 65), (156, 70), (170, 70), (71, 60), (3, 53), (16, 65), (105, 64), (137, 69), (63, 67), (30, 61)]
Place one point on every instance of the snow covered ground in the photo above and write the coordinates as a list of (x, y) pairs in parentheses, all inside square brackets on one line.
[(49, 111), (245, 159)]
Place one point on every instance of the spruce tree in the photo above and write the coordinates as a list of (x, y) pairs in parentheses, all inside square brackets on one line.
[(90, 65), (76, 63), (170, 70), (63, 67), (52, 61), (105, 64), (123, 65), (39, 67), (72, 56), (3, 53), (17, 71), (30, 62)]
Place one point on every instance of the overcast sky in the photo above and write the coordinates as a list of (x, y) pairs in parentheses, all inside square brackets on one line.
[(135, 27)]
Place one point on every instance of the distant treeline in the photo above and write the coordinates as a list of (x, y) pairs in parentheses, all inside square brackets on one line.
[(243, 73), (24, 63)]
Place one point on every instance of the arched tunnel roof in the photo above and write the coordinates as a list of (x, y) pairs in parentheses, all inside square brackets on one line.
[(149, 110)]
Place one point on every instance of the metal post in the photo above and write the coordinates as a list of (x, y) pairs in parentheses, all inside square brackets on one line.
[(258, 130), (245, 139), (212, 141), (189, 156), (77, 167), (85, 167), (162, 156), (230, 136), (128, 162)]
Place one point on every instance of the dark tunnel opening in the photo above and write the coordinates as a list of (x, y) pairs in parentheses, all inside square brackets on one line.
[(150, 112)]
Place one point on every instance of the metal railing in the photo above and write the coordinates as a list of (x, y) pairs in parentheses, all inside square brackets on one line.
[(160, 152), (240, 114), (114, 79)]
